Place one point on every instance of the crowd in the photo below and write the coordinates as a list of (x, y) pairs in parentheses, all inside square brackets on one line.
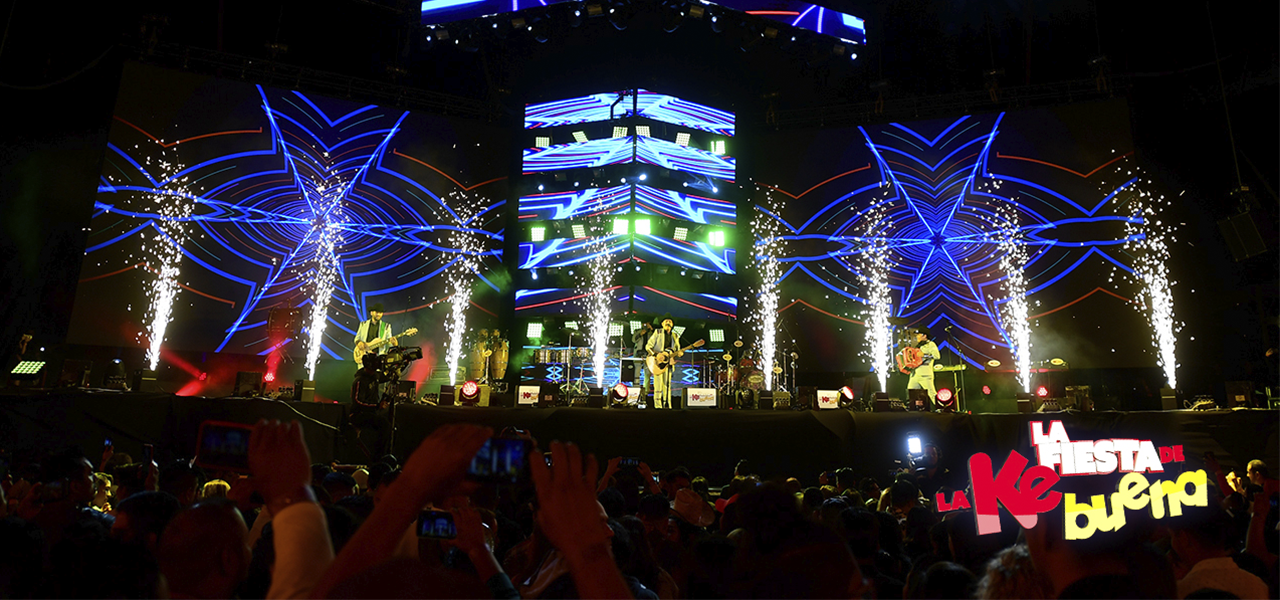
[(574, 528)]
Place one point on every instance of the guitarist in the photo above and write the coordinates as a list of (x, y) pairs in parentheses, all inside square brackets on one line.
[(922, 376), (373, 330), (664, 340)]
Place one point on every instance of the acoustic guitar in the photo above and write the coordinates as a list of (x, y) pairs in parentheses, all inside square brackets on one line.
[(660, 362), (364, 348)]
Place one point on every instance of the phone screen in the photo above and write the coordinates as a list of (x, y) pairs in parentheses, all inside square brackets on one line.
[(436, 524), (500, 459), (224, 445), (629, 462)]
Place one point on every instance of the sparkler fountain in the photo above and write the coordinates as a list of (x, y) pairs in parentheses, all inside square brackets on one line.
[(874, 269), (322, 277), (174, 203), (1013, 261), (599, 280), (468, 245), (769, 245), (1147, 241)]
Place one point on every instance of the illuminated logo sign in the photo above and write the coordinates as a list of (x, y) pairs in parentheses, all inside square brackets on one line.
[(1028, 492)]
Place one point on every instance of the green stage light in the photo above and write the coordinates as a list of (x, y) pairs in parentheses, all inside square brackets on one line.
[(579, 231), (635, 326), (717, 335), (642, 226), (621, 226), (716, 238), (538, 234), (534, 331), (717, 147), (682, 233)]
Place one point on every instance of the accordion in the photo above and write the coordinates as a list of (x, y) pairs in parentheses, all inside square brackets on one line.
[(909, 358)]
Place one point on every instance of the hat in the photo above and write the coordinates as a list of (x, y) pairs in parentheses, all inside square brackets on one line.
[(925, 331), (657, 321), (691, 508), (722, 503), (376, 307)]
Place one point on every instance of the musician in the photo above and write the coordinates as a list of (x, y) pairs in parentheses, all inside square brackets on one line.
[(922, 376), (664, 340), (639, 340), (374, 329), (368, 412)]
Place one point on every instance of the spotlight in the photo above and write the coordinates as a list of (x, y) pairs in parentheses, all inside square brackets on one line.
[(621, 226), (470, 393), (642, 130), (615, 330), (716, 238), (642, 226), (717, 147), (537, 234), (986, 390), (534, 331), (204, 376), (1057, 362), (270, 377), (618, 395), (944, 395), (1042, 392), (993, 363), (580, 136), (846, 396), (682, 233), (579, 231), (619, 131), (27, 369), (542, 141), (635, 326), (682, 139), (717, 335)]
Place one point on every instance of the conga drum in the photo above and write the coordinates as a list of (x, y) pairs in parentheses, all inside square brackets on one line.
[(498, 361), (476, 361)]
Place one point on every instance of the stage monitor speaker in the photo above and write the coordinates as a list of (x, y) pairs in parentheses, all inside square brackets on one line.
[(699, 397), (882, 403), (144, 380), (304, 390), (549, 395), (1242, 236), (402, 391), (1168, 399), (1024, 403), (502, 399), (1078, 397), (1239, 393), (527, 395), (448, 396), (248, 384), (628, 371), (595, 398), (919, 400), (75, 373)]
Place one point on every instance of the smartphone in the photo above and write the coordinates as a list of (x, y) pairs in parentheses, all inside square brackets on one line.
[(914, 447), (630, 461), (148, 454), (223, 445), (503, 460), (547, 457), (437, 524), (106, 443)]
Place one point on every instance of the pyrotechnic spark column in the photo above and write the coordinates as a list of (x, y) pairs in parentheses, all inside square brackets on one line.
[(874, 269), (173, 204), (326, 234), (769, 245), (1148, 237), (461, 275), (1013, 261)]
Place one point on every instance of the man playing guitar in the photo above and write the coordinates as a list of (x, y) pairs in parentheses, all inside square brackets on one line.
[(374, 335), (663, 348)]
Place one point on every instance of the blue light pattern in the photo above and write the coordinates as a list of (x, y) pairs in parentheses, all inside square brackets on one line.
[(671, 155), (583, 109), (669, 109), (942, 193), (575, 204), (684, 207), (577, 155), (252, 232)]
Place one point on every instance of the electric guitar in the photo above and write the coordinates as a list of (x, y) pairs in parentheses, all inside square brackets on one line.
[(660, 362), (364, 348)]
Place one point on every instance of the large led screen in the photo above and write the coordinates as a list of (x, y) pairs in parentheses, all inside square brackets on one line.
[(260, 202), (931, 195)]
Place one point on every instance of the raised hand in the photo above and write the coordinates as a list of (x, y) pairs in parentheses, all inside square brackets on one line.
[(280, 463), (436, 469)]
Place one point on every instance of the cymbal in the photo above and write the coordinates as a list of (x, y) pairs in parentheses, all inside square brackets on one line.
[(898, 321)]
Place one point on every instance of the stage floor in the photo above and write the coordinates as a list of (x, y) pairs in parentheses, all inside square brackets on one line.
[(709, 442)]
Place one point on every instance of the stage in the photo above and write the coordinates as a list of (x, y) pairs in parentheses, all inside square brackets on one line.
[(709, 442)]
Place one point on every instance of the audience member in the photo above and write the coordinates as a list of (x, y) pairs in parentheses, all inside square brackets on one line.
[(203, 551)]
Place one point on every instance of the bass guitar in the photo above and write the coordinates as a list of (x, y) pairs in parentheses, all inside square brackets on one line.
[(364, 348), (660, 362)]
